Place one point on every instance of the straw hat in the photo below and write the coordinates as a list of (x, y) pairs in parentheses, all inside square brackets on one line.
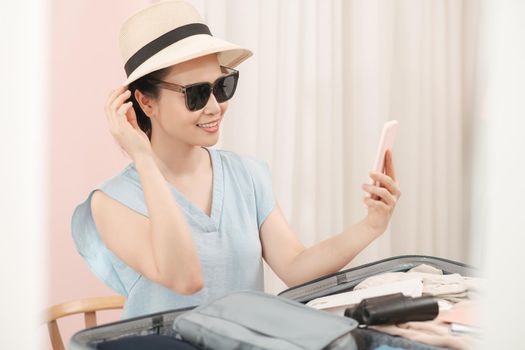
[(169, 32)]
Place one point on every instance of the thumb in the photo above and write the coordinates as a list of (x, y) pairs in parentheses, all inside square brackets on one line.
[(389, 165)]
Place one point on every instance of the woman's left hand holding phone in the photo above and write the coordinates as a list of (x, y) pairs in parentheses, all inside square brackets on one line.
[(383, 198)]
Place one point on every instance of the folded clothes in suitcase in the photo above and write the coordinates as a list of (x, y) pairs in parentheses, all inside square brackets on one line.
[(346, 280), (163, 326)]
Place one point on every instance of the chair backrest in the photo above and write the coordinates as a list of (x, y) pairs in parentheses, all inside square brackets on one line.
[(88, 307)]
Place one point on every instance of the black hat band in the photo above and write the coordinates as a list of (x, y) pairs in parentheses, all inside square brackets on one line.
[(162, 42)]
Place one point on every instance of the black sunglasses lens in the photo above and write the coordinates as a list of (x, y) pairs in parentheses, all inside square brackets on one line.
[(225, 87), (197, 96)]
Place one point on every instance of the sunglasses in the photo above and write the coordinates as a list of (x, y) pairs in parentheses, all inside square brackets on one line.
[(198, 94)]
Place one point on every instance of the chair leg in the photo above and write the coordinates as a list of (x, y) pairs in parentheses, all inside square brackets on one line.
[(54, 335), (90, 319)]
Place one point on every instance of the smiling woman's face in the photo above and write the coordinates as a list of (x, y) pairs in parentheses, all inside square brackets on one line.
[(172, 119)]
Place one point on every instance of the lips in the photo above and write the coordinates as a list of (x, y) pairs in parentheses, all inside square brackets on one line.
[(209, 124)]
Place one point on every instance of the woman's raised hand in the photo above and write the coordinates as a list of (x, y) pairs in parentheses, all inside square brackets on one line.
[(123, 125), (382, 199)]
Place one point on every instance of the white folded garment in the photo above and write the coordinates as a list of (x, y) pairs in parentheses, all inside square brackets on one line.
[(435, 283), (337, 303), (452, 287)]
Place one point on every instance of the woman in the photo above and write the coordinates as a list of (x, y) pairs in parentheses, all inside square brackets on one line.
[(183, 222)]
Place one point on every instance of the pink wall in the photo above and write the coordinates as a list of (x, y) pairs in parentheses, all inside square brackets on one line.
[(85, 65)]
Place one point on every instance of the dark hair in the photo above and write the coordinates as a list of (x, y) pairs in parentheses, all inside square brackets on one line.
[(147, 89)]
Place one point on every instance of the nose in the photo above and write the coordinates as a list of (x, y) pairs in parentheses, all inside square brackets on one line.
[(212, 106)]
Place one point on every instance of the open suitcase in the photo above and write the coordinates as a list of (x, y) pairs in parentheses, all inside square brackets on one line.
[(343, 281)]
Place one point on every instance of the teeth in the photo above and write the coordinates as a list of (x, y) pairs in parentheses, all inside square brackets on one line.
[(209, 125)]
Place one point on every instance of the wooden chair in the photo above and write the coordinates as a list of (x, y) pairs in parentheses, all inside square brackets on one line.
[(88, 307)]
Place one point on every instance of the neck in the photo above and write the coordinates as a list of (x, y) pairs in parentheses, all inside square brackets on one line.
[(177, 159)]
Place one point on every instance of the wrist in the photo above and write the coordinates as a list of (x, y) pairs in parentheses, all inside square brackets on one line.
[(371, 228), (143, 159)]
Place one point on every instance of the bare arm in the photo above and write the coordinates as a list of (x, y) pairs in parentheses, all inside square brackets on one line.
[(174, 251), (159, 247), (295, 264)]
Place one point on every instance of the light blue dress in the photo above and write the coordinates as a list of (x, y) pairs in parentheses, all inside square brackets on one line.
[(227, 242)]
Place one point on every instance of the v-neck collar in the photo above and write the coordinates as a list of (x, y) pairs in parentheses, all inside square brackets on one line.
[(212, 222), (207, 223)]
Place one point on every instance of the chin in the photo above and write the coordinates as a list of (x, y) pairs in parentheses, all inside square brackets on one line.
[(209, 141)]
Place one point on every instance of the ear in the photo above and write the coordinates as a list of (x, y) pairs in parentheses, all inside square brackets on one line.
[(147, 103)]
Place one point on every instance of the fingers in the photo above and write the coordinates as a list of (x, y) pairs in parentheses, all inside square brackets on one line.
[(117, 124), (116, 109), (122, 109), (371, 203), (121, 113), (382, 193), (123, 124), (120, 99), (113, 95), (132, 117), (117, 91), (387, 182)]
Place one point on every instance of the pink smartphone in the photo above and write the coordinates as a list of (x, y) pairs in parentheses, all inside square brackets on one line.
[(385, 142)]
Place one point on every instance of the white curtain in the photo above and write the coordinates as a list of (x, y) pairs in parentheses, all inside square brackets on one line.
[(499, 190), (324, 77), (23, 149)]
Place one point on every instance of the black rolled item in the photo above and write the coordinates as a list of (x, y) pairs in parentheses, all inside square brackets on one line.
[(357, 311), (393, 308)]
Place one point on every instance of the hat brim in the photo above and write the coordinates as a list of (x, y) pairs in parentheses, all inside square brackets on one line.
[(229, 54)]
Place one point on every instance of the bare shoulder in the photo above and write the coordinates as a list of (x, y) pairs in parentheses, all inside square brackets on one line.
[(125, 232), (108, 211), (100, 200)]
